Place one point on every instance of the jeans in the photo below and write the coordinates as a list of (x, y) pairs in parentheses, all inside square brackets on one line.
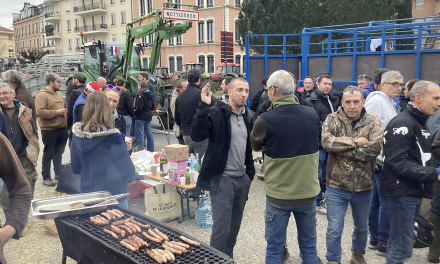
[(228, 202), (277, 218), (379, 224), (196, 147), (54, 144), (142, 127), (337, 202), (128, 124), (321, 174), (402, 212)]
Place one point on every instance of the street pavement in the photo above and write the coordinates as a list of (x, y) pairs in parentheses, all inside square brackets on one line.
[(38, 246)]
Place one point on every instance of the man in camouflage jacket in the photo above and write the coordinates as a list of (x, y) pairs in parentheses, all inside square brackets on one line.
[(353, 138)]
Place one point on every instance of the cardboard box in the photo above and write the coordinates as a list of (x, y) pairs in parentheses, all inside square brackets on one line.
[(177, 152), (178, 166)]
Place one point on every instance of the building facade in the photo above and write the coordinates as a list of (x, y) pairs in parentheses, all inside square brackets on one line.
[(202, 42), (7, 47), (423, 8), (27, 33)]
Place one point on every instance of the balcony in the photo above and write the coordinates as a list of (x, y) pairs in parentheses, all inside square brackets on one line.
[(91, 9), (53, 34), (54, 52), (52, 17), (92, 29)]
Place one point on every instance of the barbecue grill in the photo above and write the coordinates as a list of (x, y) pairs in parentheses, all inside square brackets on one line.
[(86, 243)]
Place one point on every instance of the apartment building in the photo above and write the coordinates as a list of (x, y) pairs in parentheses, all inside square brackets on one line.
[(6, 42), (423, 8), (202, 42), (27, 33)]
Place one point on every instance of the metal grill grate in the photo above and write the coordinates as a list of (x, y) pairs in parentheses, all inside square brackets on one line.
[(92, 245)]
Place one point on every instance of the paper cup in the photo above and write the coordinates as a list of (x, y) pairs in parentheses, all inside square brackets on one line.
[(182, 180), (127, 139), (153, 169)]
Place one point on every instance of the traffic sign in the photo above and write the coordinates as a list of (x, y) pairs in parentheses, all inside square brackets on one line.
[(179, 14)]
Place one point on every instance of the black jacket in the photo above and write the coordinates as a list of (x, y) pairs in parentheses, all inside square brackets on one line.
[(256, 101), (71, 102), (186, 106), (303, 95), (213, 123), (144, 106), (120, 124), (3, 125), (406, 150), (321, 105), (262, 108), (125, 105)]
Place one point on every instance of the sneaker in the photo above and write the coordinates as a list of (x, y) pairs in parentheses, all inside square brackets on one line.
[(286, 255), (260, 176), (321, 209), (373, 245), (381, 250), (50, 182)]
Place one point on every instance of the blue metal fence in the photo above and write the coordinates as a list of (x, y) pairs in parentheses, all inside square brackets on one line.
[(356, 41)]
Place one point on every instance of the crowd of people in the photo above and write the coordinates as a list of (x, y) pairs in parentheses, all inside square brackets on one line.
[(322, 150)]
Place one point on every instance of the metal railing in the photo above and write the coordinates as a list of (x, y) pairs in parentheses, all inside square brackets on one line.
[(52, 14), (53, 34), (89, 28), (83, 8)]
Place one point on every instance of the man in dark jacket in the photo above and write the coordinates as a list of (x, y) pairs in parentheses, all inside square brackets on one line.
[(407, 148), (13, 78), (291, 160), (256, 100), (78, 80), (309, 87), (78, 107), (325, 103), (228, 167), (185, 110)]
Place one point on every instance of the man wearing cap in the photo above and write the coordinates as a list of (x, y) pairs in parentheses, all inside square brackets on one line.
[(185, 110), (13, 78), (81, 101), (79, 78), (52, 119)]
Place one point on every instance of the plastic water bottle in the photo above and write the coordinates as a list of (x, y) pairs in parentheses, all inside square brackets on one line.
[(194, 170), (204, 214)]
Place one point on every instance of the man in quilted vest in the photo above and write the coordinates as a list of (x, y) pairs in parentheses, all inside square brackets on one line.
[(23, 135), (353, 138)]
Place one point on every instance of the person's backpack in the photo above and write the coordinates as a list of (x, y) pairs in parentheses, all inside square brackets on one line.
[(423, 232)]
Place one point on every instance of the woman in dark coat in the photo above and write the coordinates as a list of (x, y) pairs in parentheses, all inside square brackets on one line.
[(143, 112)]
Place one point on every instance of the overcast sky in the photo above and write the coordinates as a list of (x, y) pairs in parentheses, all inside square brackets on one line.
[(12, 6)]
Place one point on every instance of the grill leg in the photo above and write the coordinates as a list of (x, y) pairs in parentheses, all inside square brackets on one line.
[(183, 196)]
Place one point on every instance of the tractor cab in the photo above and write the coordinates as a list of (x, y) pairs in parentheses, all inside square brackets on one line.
[(162, 72)]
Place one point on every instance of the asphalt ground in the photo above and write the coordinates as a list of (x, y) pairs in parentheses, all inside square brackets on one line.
[(38, 246)]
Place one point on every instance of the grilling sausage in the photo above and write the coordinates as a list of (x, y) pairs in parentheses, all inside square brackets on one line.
[(154, 256), (111, 233), (137, 228), (139, 241), (189, 241), (107, 216), (131, 228), (101, 219), (118, 212), (128, 230), (184, 250), (153, 234), (173, 250), (170, 254), (111, 214), (118, 230), (162, 235), (125, 244), (165, 254), (146, 235), (131, 242), (180, 244), (140, 224), (164, 259)]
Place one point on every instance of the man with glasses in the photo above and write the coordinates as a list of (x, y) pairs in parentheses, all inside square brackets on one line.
[(325, 103), (381, 104), (363, 80)]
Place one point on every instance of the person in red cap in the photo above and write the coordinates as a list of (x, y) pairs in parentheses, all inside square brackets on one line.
[(81, 101)]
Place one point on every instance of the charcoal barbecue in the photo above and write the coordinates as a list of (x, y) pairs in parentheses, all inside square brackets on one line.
[(86, 243)]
